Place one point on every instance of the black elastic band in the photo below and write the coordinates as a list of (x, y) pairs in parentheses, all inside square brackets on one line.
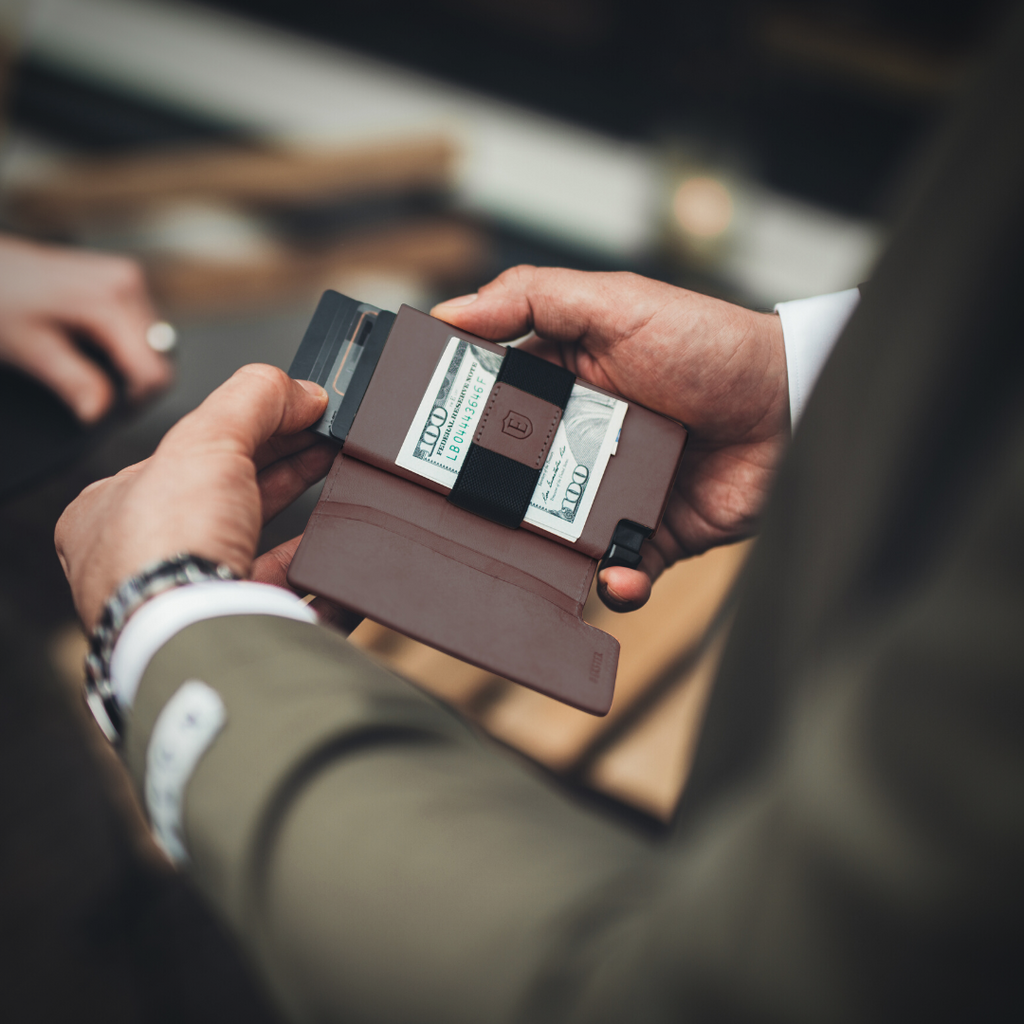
[(495, 486), (536, 376)]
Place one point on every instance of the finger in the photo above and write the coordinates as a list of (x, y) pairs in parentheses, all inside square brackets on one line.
[(545, 348), (622, 589), (283, 481), (123, 337), (49, 355), (273, 567), (281, 447), (560, 305), (625, 590), (255, 404), (117, 320)]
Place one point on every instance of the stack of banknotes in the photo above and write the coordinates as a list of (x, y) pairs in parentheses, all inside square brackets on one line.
[(449, 414)]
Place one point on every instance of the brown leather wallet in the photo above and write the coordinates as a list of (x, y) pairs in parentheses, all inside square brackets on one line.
[(394, 546)]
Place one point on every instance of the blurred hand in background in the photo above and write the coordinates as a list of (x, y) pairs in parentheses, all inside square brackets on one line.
[(716, 367), (51, 294)]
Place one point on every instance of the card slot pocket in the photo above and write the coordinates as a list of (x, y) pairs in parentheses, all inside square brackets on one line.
[(465, 603), (507, 574)]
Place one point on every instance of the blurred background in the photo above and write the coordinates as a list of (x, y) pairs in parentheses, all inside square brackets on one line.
[(251, 153)]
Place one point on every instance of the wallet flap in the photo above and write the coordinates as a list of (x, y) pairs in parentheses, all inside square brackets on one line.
[(506, 600)]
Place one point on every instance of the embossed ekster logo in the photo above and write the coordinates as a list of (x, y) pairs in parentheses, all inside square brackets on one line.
[(516, 425)]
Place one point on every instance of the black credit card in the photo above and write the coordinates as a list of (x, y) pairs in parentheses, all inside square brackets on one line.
[(340, 351)]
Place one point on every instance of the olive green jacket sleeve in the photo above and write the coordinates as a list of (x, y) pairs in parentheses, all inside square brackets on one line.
[(377, 859)]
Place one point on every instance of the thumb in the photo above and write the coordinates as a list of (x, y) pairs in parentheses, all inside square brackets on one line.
[(622, 589), (255, 404)]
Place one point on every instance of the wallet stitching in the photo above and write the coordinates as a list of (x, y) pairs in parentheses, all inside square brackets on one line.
[(542, 457), (487, 412)]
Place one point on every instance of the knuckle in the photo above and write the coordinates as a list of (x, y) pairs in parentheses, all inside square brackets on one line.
[(515, 280), (514, 277), (522, 274)]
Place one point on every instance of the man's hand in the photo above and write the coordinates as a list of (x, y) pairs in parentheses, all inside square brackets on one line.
[(216, 478), (718, 368), (48, 294)]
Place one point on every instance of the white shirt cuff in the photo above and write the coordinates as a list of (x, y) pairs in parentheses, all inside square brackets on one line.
[(810, 329), (158, 620)]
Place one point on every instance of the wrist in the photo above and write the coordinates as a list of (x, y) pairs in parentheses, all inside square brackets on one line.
[(768, 378), (151, 581), (167, 614), (775, 342)]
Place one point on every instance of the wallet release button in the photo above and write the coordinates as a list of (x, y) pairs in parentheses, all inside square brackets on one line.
[(625, 546)]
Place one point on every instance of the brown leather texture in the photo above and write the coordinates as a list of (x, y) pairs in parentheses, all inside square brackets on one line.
[(387, 543), (518, 425)]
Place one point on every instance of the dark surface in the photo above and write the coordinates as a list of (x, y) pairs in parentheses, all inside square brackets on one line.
[(90, 928), (40, 435)]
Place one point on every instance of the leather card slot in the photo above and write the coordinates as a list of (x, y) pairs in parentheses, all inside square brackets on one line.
[(501, 571)]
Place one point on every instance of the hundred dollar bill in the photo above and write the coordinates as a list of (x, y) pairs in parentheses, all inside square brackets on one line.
[(449, 414)]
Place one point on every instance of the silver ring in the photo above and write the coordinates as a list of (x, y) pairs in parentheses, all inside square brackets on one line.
[(161, 336)]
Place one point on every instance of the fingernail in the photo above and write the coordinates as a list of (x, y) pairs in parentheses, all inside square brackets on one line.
[(462, 300), (602, 578), (312, 387)]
